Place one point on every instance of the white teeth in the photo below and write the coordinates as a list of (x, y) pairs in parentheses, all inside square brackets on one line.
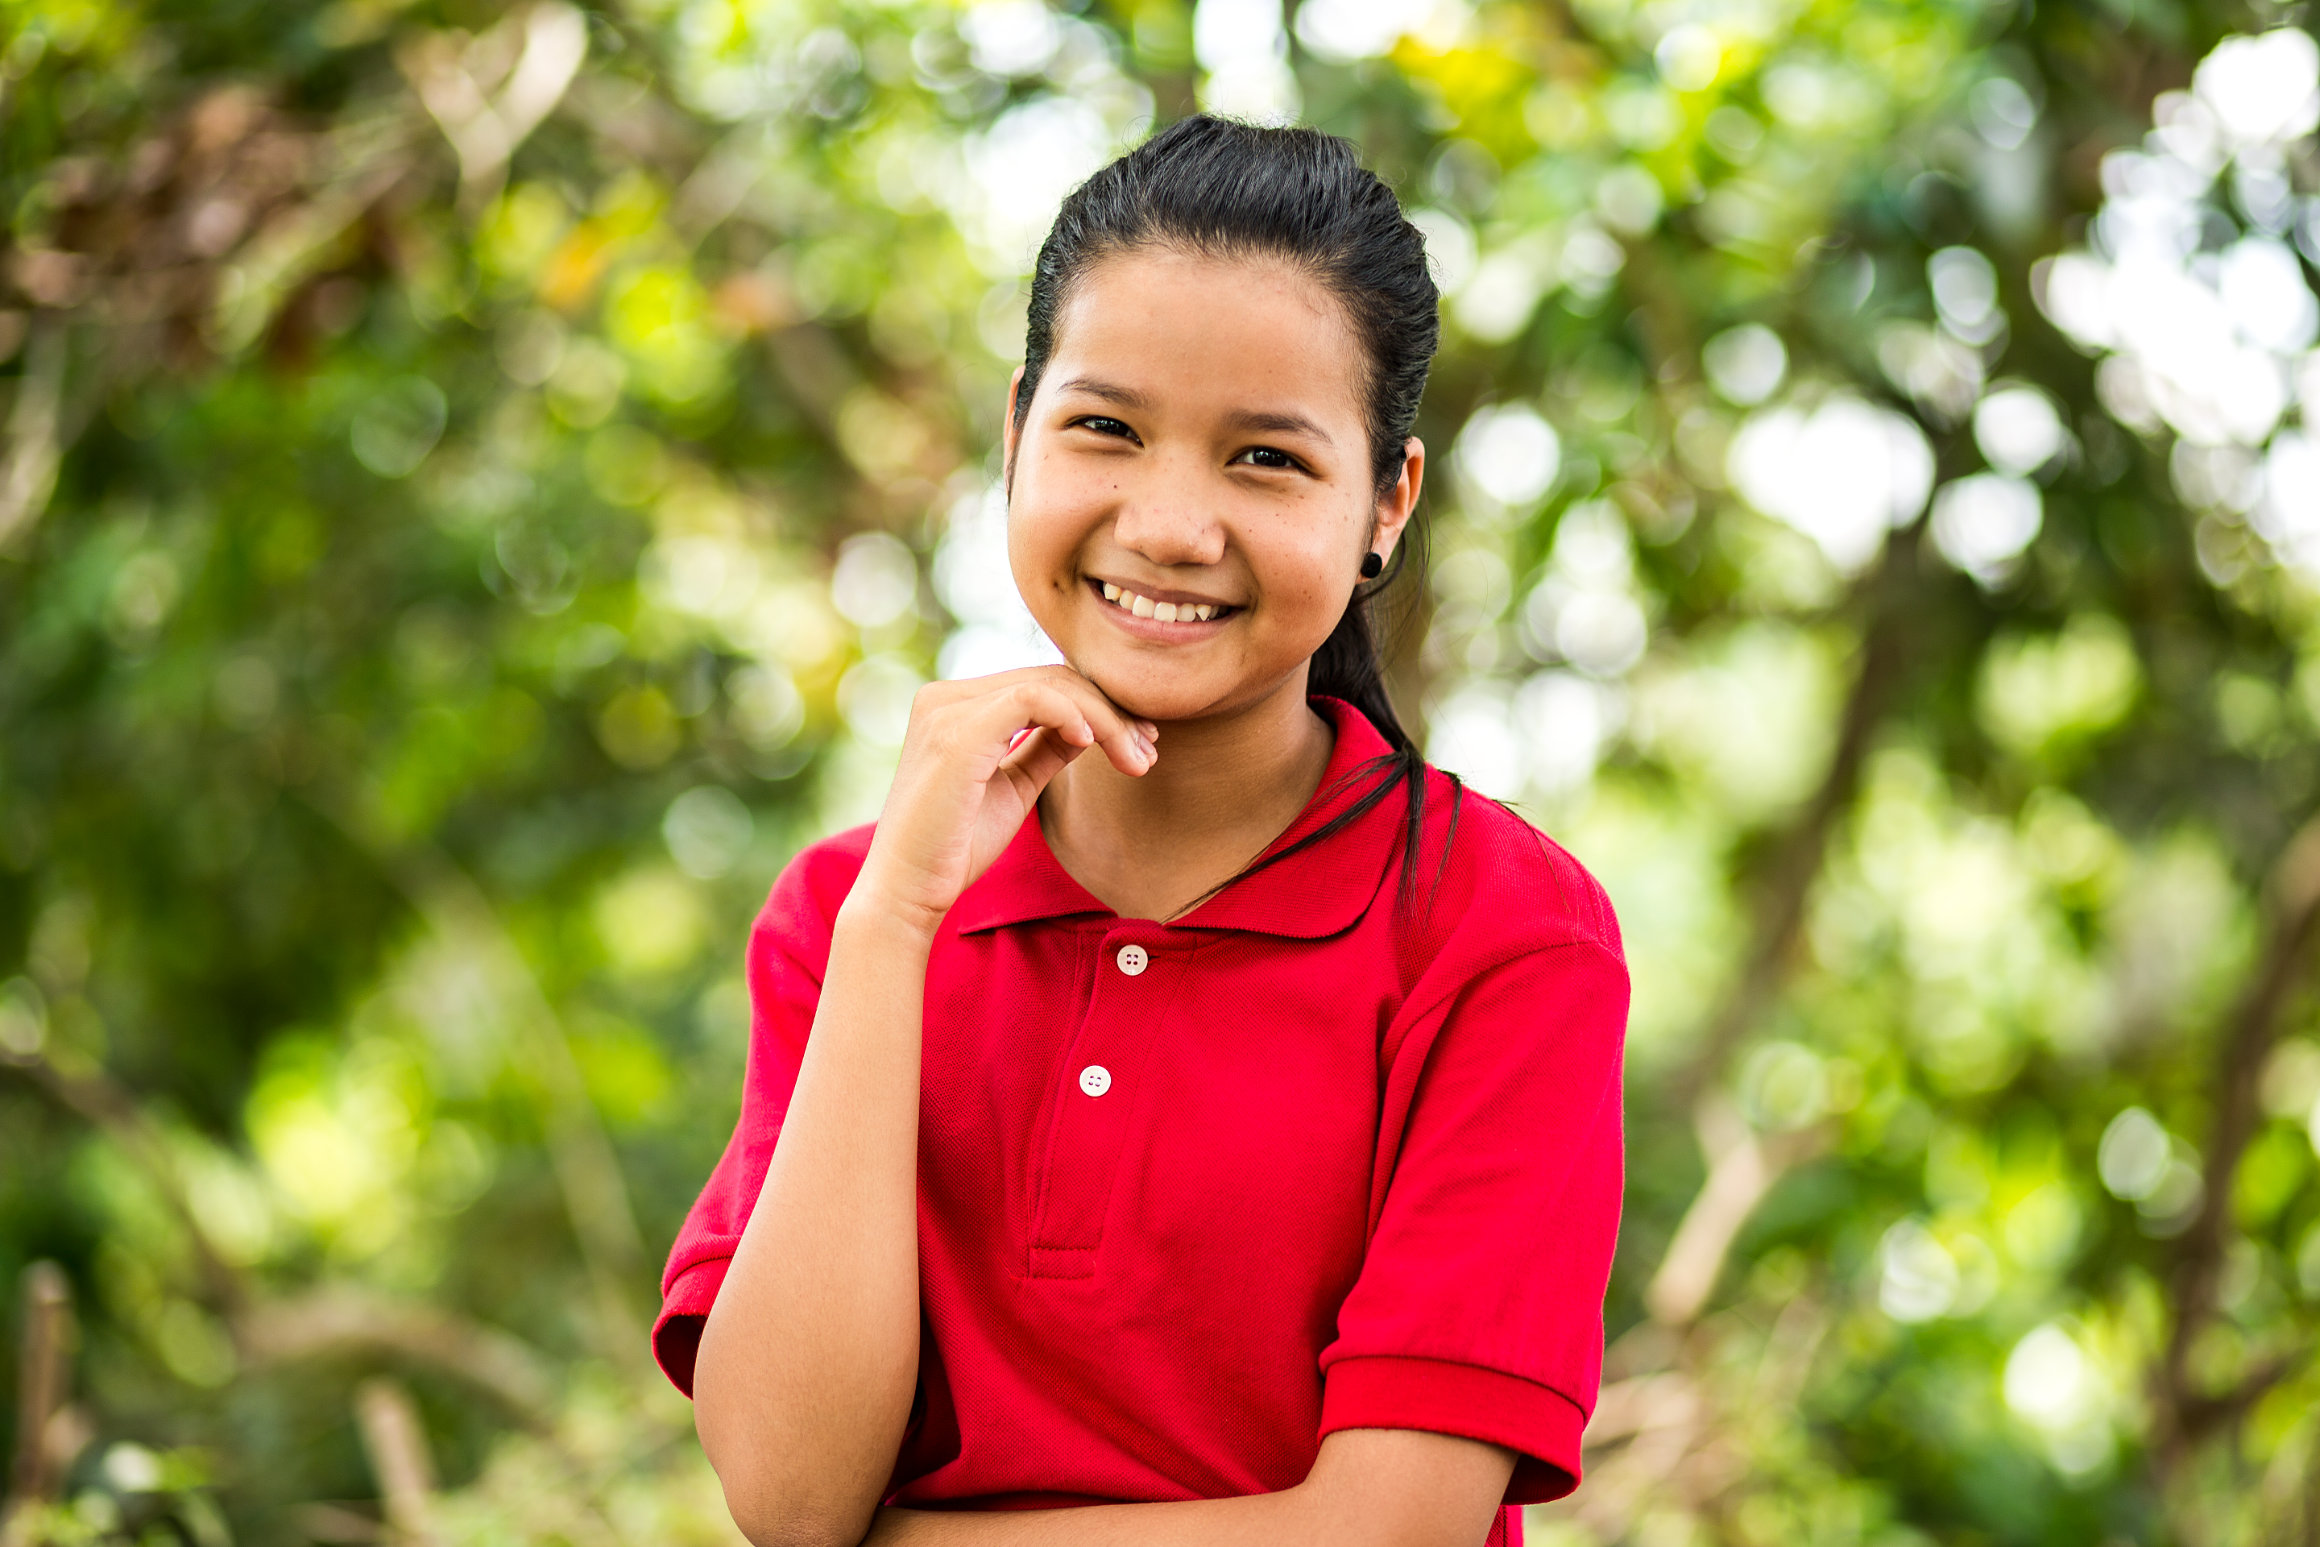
[(1159, 612)]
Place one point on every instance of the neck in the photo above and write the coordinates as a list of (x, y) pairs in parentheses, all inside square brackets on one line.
[(1224, 787)]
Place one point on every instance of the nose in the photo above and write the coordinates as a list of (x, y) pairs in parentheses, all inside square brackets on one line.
[(1167, 517)]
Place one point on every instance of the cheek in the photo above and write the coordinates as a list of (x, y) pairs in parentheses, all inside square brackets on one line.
[(1031, 551), (1306, 570), (1046, 523)]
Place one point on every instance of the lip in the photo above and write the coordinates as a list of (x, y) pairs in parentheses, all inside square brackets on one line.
[(1181, 630)]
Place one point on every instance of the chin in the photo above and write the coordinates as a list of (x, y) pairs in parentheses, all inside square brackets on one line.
[(1156, 693), (1159, 702)]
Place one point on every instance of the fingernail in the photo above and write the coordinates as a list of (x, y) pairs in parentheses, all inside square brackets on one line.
[(1150, 730), (1144, 745)]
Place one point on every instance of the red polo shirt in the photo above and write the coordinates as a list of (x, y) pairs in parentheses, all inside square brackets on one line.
[(1194, 1195)]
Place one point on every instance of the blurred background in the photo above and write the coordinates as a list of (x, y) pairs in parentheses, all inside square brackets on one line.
[(479, 485)]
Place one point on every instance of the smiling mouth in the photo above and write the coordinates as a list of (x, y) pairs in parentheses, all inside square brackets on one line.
[(1141, 606)]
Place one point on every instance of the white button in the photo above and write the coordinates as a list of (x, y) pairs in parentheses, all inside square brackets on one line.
[(1134, 959), (1095, 1079)]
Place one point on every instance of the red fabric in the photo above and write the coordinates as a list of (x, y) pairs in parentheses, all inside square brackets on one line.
[(1357, 1166)]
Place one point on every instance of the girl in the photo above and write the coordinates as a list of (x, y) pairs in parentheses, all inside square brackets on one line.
[(1174, 1121)]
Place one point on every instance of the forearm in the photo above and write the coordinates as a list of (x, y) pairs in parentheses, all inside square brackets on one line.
[(1368, 1488), (1259, 1520), (810, 1356)]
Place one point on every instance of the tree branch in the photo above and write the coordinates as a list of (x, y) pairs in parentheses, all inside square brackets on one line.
[(341, 1320), (396, 1446), (1741, 1170), (2293, 906), (580, 1153), (1782, 883), (333, 1318), (102, 1103), (43, 1380), (33, 447)]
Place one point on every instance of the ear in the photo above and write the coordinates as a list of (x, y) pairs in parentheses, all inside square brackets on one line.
[(1008, 434), (1399, 503)]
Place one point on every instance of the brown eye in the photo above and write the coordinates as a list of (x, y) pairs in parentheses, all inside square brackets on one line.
[(1268, 456), (1104, 426)]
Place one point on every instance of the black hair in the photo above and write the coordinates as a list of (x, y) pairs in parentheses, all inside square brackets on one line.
[(1224, 189)]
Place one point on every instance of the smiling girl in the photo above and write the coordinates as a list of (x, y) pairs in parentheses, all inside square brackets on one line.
[(1184, 1117)]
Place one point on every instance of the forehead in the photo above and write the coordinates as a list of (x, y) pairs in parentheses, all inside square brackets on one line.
[(1200, 328)]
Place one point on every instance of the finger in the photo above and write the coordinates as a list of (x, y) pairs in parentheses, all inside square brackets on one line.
[(1131, 743), (1079, 716), (1070, 681), (1037, 758)]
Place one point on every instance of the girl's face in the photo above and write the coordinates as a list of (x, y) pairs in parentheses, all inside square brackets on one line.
[(1196, 446)]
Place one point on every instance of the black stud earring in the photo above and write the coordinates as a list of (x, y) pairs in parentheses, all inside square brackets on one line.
[(1372, 565)]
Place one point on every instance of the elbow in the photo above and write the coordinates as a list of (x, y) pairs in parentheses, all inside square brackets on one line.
[(792, 1528), (774, 1516), (784, 1500), (796, 1471)]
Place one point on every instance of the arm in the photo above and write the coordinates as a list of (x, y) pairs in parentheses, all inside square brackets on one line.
[(1368, 1488), (802, 1423), (808, 1359)]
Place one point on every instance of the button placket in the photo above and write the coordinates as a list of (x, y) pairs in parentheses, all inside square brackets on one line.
[(1095, 1102)]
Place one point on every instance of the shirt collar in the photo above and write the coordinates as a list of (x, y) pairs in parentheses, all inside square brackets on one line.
[(1318, 892)]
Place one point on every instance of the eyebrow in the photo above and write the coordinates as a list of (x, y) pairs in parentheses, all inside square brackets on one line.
[(1277, 422), (1126, 397), (1280, 424)]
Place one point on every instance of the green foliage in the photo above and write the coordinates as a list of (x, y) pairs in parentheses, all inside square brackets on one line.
[(478, 486)]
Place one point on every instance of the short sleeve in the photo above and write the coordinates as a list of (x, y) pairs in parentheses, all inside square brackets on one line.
[(1478, 1309), (789, 952)]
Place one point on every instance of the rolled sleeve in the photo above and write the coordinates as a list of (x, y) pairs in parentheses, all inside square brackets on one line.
[(1478, 1310), (676, 1334), (1538, 1423)]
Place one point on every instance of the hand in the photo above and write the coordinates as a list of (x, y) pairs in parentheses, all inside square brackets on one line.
[(974, 759)]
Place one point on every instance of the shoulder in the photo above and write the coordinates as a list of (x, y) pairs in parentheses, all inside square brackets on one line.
[(1491, 876), (826, 868), (1509, 952), (803, 906)]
